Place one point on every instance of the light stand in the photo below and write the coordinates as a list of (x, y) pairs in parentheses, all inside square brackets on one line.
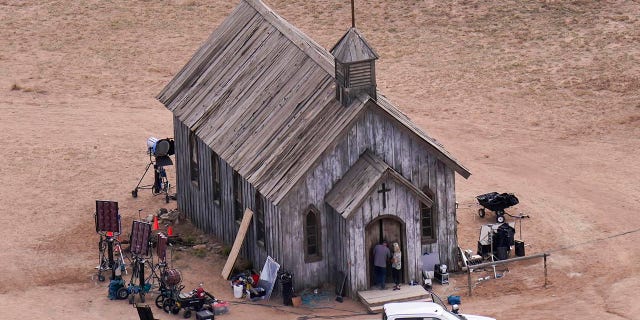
[(520, 218), (107, 220), (112, 263), (159, 151), (158, 269), (140, 233), (495, 275)]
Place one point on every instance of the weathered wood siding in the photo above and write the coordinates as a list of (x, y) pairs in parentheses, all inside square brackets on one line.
[(217, 217), (402, 203), (342, 241), (399, 148)]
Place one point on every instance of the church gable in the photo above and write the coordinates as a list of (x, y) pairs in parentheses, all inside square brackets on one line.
[(362, 179)]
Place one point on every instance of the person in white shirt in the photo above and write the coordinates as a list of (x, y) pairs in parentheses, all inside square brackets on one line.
[(396, 265)]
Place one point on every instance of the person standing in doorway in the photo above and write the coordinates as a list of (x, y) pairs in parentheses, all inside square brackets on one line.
[(396, 265), (381, 255)]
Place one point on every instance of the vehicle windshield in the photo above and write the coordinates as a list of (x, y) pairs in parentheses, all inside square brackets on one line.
[(436, 299), (449, 315)]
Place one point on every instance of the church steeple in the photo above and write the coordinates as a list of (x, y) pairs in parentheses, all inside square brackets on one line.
[(355, 66)]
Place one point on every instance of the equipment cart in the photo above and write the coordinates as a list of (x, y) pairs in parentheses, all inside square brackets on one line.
[(496, 202)]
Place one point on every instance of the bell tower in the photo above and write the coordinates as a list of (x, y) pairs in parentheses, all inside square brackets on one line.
[(355, 63)]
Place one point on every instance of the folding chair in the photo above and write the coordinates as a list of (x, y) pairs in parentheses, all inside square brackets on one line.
[(469, 259)]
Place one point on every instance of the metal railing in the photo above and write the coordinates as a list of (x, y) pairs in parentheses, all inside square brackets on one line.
[(507, 261)]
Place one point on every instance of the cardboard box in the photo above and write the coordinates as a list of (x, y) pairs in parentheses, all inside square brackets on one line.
[(297, 301)]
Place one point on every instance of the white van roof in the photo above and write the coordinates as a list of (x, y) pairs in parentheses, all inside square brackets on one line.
[(412, 308)]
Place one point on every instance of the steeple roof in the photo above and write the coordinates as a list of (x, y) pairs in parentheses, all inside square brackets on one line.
[(352, 47)]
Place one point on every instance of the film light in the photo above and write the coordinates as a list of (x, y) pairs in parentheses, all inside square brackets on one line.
[(160, 147), (107, 217), (140, 233), (159, 151)]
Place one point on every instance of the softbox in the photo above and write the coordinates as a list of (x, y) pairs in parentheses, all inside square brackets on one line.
[(107, 216), (140, 233)]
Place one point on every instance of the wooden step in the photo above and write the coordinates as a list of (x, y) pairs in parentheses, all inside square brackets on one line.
[(376, 309), (375, 299)]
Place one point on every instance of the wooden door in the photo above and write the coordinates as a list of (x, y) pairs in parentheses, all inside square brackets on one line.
[(379, 229)]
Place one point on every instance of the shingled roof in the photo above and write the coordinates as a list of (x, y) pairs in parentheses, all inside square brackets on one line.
[(260, 94)]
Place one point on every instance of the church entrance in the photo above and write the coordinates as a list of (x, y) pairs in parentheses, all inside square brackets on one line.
[(391, 229)]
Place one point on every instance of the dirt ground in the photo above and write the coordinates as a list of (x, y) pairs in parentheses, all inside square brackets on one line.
[(538, 98)]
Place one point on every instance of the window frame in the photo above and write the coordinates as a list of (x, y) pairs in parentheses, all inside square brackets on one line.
[(237, 197), (432, 237), (215, 172), (194, 154), (259, 219), (308, 258)]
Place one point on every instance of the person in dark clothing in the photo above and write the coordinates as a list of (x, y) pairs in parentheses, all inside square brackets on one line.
[(381, 254)]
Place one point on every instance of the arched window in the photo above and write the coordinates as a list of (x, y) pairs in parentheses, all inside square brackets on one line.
[(312, 236), (193, 150), (259, 218), (427, 219)]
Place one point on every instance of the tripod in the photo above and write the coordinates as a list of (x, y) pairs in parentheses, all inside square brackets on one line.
[(138, 274), (107, 220), (161, 184)]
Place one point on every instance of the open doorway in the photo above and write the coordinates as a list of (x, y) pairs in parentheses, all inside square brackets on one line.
[(389, 228)]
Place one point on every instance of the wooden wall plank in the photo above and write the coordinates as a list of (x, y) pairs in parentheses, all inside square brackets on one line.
[(452, 216)]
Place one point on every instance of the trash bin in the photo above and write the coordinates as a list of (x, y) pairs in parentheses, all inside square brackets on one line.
[(286, 279), (519, 245)]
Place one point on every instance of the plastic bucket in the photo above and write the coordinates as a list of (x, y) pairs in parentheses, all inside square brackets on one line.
[(237, 291)]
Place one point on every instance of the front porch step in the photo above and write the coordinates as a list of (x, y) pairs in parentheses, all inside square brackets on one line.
[(374, 299)]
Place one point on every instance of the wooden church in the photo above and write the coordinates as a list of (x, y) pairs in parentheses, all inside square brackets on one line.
[(267, 119)]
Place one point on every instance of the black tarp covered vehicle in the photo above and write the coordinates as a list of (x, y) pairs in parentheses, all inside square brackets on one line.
[(496, 202)]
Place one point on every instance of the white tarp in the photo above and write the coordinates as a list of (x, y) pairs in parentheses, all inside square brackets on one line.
[(430, 259), (487, 231), (268, 276)]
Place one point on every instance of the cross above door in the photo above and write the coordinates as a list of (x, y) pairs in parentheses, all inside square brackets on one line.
[(384, 191)]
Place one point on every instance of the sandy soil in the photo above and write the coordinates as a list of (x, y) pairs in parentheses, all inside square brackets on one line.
[(539, 98)]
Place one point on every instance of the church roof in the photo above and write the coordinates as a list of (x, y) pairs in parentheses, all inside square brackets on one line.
[(352, 47), (260, 94)]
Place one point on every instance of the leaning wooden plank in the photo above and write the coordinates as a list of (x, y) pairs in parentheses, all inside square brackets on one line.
[(237, 244)]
